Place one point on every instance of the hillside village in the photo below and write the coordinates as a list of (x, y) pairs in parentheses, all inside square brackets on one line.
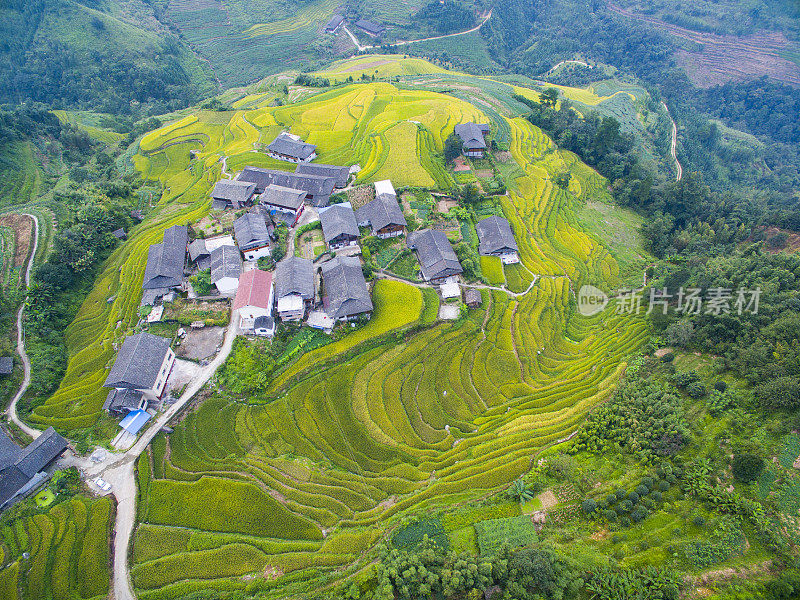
[(293, 249)]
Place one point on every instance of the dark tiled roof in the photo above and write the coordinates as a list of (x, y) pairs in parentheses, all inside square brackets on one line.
[(473, 296), (6, 365), (138, 362), (335, 21), (288, 146), (225, 262), (9, 451), (381, 212), (235, 192), (294, 275), (41, 452), (436, 256), (337, 220), (370, 27), (165, 261), (119, 401), (318, 186), (263, 323), (12, 479), (198, 249), (119, 233), (177, 235), (340, 174), (345, 287), (495, 236), (250, 230), (471, 135), (284, 197)]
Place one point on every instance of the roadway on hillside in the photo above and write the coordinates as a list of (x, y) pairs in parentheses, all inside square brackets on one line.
[(427, 39), (674, 145), (118, 468), (26, 363)]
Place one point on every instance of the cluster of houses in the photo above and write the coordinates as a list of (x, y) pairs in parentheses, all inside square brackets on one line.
[(299, 289), (369, 27)]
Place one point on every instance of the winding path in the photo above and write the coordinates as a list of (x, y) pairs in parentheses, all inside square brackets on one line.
[(118, 469), (26, 363), (674, 145), (427, 39)]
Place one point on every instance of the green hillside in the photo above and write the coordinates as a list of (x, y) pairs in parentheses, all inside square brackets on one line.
[(110, 55)]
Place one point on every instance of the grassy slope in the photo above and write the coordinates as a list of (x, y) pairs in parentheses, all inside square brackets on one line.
[(365, 442)]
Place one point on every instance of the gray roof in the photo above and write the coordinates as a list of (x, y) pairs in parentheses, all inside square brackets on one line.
[(165, 261), (9, 451), (119, 233), (436, 256), (286, 145), (318, 186), (177, 235), (495, 236), (19, 466), (235, 192), (225, 262), (119, 401), (294, 275), (471, 135), (284, 197), (335, 21), (263, 322), (250, 230), (40, 452), (341, 174), (473, 296), (197, 249), (369, 26), (338, 220), (381, 212), (345, 287), (6, 365), (138, 362)]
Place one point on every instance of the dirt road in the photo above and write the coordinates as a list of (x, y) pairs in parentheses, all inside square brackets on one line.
[(427, 39), (26, 363), (674, 145)]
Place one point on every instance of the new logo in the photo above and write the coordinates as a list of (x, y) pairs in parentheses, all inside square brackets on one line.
[(591, 301)]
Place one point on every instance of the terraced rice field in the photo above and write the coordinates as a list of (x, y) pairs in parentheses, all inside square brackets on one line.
[(69, 553), (380, 65), (313, 479)]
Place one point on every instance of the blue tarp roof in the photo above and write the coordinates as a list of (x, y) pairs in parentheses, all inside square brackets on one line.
[(135, 420)]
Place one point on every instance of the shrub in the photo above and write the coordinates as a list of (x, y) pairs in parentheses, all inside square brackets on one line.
[(668, 357), (621, 494), (648, 482), (696, 390), (720, 386), (610, 515), (625, 521), (699, 521), (747, 467), (633, 497), (682, 380), (656, 496), (642, 490), (589, 506), (638, 514)]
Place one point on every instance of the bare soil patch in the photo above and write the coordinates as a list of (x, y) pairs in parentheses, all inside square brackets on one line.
[(23, 233), (487, 173), (461, 165), (727, 57), (503, 156), (200, 343), (445, 204), (548, 499), (361, 195)]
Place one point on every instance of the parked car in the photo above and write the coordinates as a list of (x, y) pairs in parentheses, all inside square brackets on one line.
[(102, 484)]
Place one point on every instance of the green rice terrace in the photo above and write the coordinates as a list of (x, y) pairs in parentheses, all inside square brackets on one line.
[(302, 483)]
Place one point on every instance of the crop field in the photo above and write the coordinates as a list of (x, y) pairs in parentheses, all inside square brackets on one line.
[(310, 481), (382, 66), (69, 552), (90, 123), (20, 177)]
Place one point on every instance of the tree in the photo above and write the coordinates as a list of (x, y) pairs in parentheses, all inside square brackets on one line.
[(562, 179), (470, 196), (589, 506), (202, 282), (519, 491), (452, 148), (549, 98), (747, 467)]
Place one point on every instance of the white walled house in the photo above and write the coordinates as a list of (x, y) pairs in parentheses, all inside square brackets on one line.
[(254, 299), (226, 267), (252, 236)]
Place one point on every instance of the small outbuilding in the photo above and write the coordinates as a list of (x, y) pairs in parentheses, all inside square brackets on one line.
[(6, 365), (334, 24), (472, 298), (371, 28)]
